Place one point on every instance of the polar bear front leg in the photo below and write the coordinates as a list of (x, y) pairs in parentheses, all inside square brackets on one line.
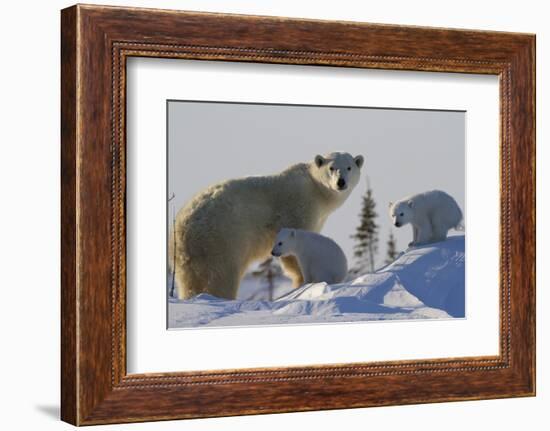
[(292, 269), (415, 236)]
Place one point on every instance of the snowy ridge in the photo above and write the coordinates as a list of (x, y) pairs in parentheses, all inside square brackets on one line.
[(425, 282)]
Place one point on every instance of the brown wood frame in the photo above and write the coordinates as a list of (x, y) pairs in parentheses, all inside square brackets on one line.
[(95, 43)]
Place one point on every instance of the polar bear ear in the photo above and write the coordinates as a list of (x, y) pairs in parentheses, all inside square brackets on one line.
[(410, 204), (390, 204), (359, 160), (319, 160)]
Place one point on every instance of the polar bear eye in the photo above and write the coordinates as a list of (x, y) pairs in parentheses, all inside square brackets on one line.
[(349, 168), (280, 244), (401, 214), (331, 169)]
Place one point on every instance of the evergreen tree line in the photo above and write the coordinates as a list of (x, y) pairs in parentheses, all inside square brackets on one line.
[(366, 238)]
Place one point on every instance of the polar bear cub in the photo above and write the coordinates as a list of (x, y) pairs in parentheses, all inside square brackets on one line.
[(431, 215), (320, 258)]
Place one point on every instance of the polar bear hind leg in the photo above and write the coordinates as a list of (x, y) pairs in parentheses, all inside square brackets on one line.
[(333, 279), (218, 280), (439, 230), (424, 231)]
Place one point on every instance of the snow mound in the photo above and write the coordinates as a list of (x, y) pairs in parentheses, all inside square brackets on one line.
[(425, 282)]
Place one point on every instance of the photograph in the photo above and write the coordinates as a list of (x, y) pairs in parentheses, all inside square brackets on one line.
[(307, 214)]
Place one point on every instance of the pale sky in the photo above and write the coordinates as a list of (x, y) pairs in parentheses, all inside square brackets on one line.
[(406, 152)]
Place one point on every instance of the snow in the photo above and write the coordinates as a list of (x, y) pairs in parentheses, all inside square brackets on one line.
[(253, 289), (424, 282)]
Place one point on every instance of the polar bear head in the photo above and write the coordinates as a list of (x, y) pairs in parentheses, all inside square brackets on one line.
[(285, 242), (338, 172), (402, 212)]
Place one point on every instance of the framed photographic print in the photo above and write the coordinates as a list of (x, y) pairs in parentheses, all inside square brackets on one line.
[(319, 214), (361, 267)]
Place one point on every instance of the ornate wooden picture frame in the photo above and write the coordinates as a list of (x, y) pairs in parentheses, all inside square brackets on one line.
[(96, 41)]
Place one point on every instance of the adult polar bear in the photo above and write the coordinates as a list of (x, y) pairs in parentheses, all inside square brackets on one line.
[(226, 227)]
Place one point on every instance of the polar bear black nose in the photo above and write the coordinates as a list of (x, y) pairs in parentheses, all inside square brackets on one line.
[(341, 183)]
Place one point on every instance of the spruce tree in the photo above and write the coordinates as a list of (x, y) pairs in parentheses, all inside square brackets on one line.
[(366, 235), (269, 270), (391, 249)]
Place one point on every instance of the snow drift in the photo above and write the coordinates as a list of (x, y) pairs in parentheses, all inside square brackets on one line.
[(426, 282)]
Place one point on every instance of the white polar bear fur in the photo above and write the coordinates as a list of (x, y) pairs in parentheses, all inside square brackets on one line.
[(228, 226), (319, 257), (431, 215)]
